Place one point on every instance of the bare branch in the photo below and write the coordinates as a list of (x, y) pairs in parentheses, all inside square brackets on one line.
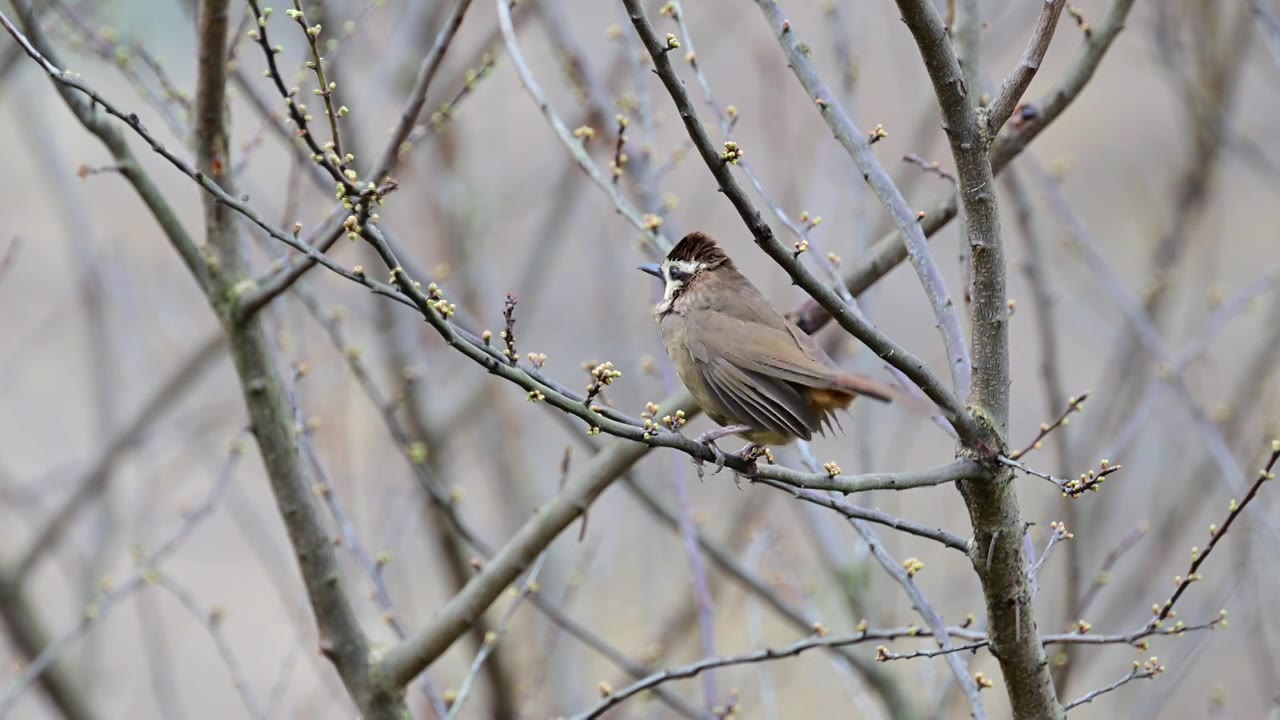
[(853, 512), (855, 143), (1019, 79), (38, 49), (1140, 671), (211, 620), (418, 95), (889, 250), (955, 471), (617, 697), (650, 231)]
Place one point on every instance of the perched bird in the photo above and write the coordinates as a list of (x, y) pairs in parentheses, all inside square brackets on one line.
[(751, 371)]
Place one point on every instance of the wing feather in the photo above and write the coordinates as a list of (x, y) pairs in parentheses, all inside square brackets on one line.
[(783, 403)]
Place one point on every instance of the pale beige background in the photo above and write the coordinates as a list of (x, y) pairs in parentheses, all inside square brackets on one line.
[(1122, 145)]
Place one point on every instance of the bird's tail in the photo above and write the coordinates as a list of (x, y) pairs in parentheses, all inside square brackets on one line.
[(859, 385)]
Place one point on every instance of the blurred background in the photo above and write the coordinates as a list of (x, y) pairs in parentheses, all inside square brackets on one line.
[(1168, 165)]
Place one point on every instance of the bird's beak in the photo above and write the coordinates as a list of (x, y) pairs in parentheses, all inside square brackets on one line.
[(653, 269)]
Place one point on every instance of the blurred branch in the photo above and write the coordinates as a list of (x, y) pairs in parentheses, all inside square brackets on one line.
[(1103, 576), (10, 256), (529, 587), (651, 232), (211, 620), (37, 48), (418, 94), (1146, 335), (703, 604), (651, 682), (635, 668), (44, 654), (1270, 25), (855, 142), (1242, 300), (896, 699), (94, 482)]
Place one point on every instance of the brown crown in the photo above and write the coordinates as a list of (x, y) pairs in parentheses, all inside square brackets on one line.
[(699, 248)]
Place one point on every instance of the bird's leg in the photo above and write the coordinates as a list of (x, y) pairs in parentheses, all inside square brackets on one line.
[(751, 452), (709, 439)]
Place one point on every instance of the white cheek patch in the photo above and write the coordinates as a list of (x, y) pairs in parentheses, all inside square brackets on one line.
[(673, 286)]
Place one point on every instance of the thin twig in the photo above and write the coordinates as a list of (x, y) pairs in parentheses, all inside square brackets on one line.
[(529, 587), (1091, 480), (652, 233), (418, 95), (854, 512), (1103, 576), (1216, 533), (616, 697), (211, 620), (1140, 671), (1075, 404)]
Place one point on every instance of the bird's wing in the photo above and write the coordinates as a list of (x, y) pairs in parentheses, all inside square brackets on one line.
[(767, 350), (768, 400), (774, 405)]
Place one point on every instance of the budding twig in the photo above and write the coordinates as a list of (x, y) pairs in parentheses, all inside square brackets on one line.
[(929, 166), (509, 333), (1090, 480), (1165, 611), (1074, 404)]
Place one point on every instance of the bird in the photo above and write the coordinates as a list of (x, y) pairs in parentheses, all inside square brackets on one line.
[(752, 371)]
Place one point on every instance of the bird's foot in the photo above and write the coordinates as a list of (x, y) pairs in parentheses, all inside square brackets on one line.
[(709, 438), (750, 453)]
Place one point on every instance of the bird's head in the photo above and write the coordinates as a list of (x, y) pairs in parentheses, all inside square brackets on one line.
[(694, 258)]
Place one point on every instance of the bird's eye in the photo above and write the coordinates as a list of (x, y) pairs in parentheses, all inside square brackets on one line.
[(678, 274)]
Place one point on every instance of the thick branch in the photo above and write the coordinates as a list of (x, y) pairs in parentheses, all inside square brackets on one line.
[(411, 657), (271, 420), (999, 552)]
